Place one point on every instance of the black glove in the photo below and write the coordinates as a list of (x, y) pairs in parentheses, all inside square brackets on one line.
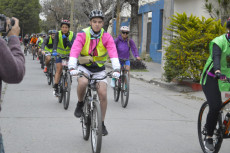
[(220, 76)]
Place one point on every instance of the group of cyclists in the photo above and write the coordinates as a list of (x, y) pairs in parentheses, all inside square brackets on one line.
[(89, 49), (92, 42)]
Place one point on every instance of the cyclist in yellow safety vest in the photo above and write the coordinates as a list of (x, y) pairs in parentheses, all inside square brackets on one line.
[(62, 44), (47, 48), (95, 42), (39, 44)]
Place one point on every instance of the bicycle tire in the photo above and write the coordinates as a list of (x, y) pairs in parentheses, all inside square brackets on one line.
[(203, 133), (60, 89), (86, 121), (33, 55), (53, 73), (67, 90), (116, 90), (42, 60), (125, 90), (50, 75), (96, 128)]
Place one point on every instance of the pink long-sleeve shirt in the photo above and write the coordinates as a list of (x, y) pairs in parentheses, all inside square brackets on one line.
[(107, 41)]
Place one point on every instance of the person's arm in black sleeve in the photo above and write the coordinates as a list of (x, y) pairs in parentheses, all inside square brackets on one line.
[(216, 56), (71, 43), (55, 41), (45, 42)]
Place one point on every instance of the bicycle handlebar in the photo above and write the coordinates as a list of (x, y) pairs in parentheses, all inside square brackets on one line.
[(214, 76), (81, 73), (59, 55)]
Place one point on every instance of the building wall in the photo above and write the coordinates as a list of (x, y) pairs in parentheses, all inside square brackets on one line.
[(195, 7)]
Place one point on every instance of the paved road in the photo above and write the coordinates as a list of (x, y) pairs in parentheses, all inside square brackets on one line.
[(156, 120)]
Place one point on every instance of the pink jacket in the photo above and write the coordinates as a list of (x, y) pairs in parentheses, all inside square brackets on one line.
[(107, 41)]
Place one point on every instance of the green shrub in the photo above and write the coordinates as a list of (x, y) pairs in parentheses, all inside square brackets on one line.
[(188, 49)]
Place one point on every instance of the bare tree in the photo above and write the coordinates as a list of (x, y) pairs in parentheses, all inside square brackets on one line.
[(134, 20), (218, 9), (56, 10)]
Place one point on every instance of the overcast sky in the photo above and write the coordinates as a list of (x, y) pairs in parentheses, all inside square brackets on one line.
[(40, 15)]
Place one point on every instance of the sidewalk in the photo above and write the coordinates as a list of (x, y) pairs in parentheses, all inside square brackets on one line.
[(153, 76)]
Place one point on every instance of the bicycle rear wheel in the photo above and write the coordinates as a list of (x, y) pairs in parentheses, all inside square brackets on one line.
[(116, 90), (202, 130), (66, 90), (96, 128), (125, 90)]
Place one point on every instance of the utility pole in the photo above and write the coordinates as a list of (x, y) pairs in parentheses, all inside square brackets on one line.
[(71, 16), (169, 11), (118, 18)]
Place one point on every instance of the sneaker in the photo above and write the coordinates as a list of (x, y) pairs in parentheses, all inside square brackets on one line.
[(209, 144), (55, 92), (45, 70), (112, 83), (78, 111), (104, 130)]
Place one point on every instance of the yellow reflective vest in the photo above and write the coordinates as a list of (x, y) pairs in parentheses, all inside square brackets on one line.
[(60, 47), (102, 52)]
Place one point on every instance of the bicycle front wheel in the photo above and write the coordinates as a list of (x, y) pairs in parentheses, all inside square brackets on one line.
[(202, 130), (66, 90), (60, 89), (50, 75), (116, 90), (96, 127), (53, 73), (33, 54), (85, 119), (125, 90)]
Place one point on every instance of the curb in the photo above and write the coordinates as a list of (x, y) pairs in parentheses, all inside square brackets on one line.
[(159, 82)]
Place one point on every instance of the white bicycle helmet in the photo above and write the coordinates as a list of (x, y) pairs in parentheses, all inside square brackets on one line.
[(124, 28), (96, 13)]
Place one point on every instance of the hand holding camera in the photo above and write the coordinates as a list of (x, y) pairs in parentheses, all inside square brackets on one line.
[(10, 26), (15, 29)]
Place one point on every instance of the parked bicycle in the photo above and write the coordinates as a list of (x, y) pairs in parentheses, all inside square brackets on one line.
[(222, 130), (122, 87), (64, 86), (91, 119)]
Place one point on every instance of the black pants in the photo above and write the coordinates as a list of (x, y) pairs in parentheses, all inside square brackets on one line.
[(213, 96)]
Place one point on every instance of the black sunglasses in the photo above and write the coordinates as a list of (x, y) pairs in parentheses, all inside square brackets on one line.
[(125, 32)]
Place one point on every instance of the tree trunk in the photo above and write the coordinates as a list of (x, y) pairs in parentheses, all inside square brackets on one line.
[(134, 21), (118, 18)]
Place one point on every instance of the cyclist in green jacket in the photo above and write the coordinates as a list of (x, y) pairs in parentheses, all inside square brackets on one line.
[(218, 65)]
